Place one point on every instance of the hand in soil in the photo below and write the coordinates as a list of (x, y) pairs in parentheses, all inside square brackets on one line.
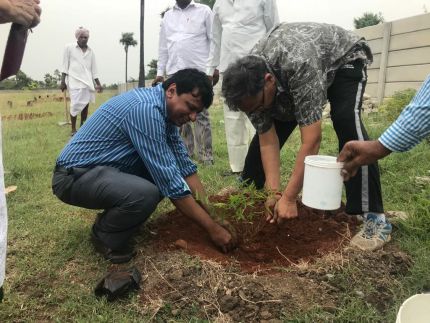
[(269, 206), (223, 238), (284, 209)]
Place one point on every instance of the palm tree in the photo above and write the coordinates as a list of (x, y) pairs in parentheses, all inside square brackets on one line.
[(127, 40), (142, 54)]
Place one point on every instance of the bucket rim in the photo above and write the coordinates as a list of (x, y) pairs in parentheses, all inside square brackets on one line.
[(323, 161)]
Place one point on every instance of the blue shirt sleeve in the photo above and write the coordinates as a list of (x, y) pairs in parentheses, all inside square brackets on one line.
[(413, 124), (151, 136)]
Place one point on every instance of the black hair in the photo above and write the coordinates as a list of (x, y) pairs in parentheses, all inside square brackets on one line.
[(243, 78), (189, 79)]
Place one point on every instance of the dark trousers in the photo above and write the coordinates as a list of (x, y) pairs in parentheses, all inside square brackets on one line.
[(128, 200), (363, 192)]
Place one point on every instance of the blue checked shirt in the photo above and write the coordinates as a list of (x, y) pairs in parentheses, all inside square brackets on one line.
[(413, 124), (129, 129)]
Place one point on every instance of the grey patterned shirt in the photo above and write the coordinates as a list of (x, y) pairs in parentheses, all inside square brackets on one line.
[(304, 57)]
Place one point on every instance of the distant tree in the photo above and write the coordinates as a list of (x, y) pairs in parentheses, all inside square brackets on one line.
[(368, 19), (22, 80), (127, 40), (50, 81), (152, 73), (57, 75), (209, 3), (142, 52)]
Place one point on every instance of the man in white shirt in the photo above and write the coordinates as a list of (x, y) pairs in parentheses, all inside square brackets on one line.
[(185, 37), (79, 66), (237, 26)]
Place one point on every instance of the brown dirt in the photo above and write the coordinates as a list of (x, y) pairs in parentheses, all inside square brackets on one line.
[(260, 245), (273, 275)]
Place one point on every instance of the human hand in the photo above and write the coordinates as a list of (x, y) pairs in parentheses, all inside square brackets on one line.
[(63, 86), (284, 209), (158, 79), (222, 237), (358, 153), (215, 77), (269, 205), (23, 12), (99, 88)]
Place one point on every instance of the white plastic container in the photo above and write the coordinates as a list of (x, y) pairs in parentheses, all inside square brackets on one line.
[(416, 309), (322, 184)]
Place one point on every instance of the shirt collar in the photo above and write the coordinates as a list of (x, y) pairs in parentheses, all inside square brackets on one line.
[(162, 95), (192, 3)]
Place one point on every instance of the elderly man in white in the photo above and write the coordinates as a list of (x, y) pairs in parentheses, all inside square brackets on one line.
[(78, 76), (237, 26), (185, 37)]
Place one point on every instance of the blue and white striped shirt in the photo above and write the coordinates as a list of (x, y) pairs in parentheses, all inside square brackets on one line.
[(413, 124), (131, 128)]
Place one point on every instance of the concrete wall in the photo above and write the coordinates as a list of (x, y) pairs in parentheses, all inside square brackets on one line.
[(401, 52)]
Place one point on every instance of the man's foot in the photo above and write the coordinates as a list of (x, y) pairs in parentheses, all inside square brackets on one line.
[(73, 133), (114, 256), (230, 173), (373, 235)]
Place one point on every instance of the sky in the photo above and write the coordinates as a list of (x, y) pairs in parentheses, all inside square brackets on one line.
[(107, 19)]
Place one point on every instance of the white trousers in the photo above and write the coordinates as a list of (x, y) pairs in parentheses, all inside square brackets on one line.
[(239, 132)]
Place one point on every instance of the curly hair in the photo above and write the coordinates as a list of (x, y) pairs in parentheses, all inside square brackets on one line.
[(243, 78), (189, 79)]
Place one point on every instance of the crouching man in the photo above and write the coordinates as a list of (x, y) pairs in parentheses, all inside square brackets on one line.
[(129, 155)]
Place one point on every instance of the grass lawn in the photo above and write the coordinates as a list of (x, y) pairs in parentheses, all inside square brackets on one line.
[(52, 268)]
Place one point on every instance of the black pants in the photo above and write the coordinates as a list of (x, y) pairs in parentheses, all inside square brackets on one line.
[(363, 192), (128, 200)]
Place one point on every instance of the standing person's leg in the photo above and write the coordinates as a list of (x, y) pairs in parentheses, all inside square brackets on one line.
[(363, 192), (128, 200), (253, 172), (345, 95), (186, 132), (203, 136), (84, 114), (73, 122)]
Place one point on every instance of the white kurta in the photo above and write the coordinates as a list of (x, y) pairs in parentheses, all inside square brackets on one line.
[(81, 70), (3, 218), (185, 37)]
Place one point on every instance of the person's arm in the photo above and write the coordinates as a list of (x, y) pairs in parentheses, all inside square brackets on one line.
[(412, 126), (163, 54), (95, 74), (286, 207), (23, 12), (199, 213), (65, 71), (271, 17), (215, 47)]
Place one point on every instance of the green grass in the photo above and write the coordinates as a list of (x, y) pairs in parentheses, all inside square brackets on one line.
[(52, 269)]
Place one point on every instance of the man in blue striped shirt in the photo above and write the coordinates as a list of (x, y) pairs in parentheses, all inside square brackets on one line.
[(411, 127), (129, 155)]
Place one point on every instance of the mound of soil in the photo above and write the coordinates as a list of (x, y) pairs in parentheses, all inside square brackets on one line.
[(261, 246)]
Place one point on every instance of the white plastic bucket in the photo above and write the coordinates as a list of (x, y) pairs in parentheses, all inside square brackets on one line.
[(416, 309), (322, 184)]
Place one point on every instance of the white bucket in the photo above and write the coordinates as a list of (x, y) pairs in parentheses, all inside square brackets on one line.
[(416, 309), (322, 184)]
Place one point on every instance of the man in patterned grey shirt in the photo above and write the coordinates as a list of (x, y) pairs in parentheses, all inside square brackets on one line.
[(286, 81)]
